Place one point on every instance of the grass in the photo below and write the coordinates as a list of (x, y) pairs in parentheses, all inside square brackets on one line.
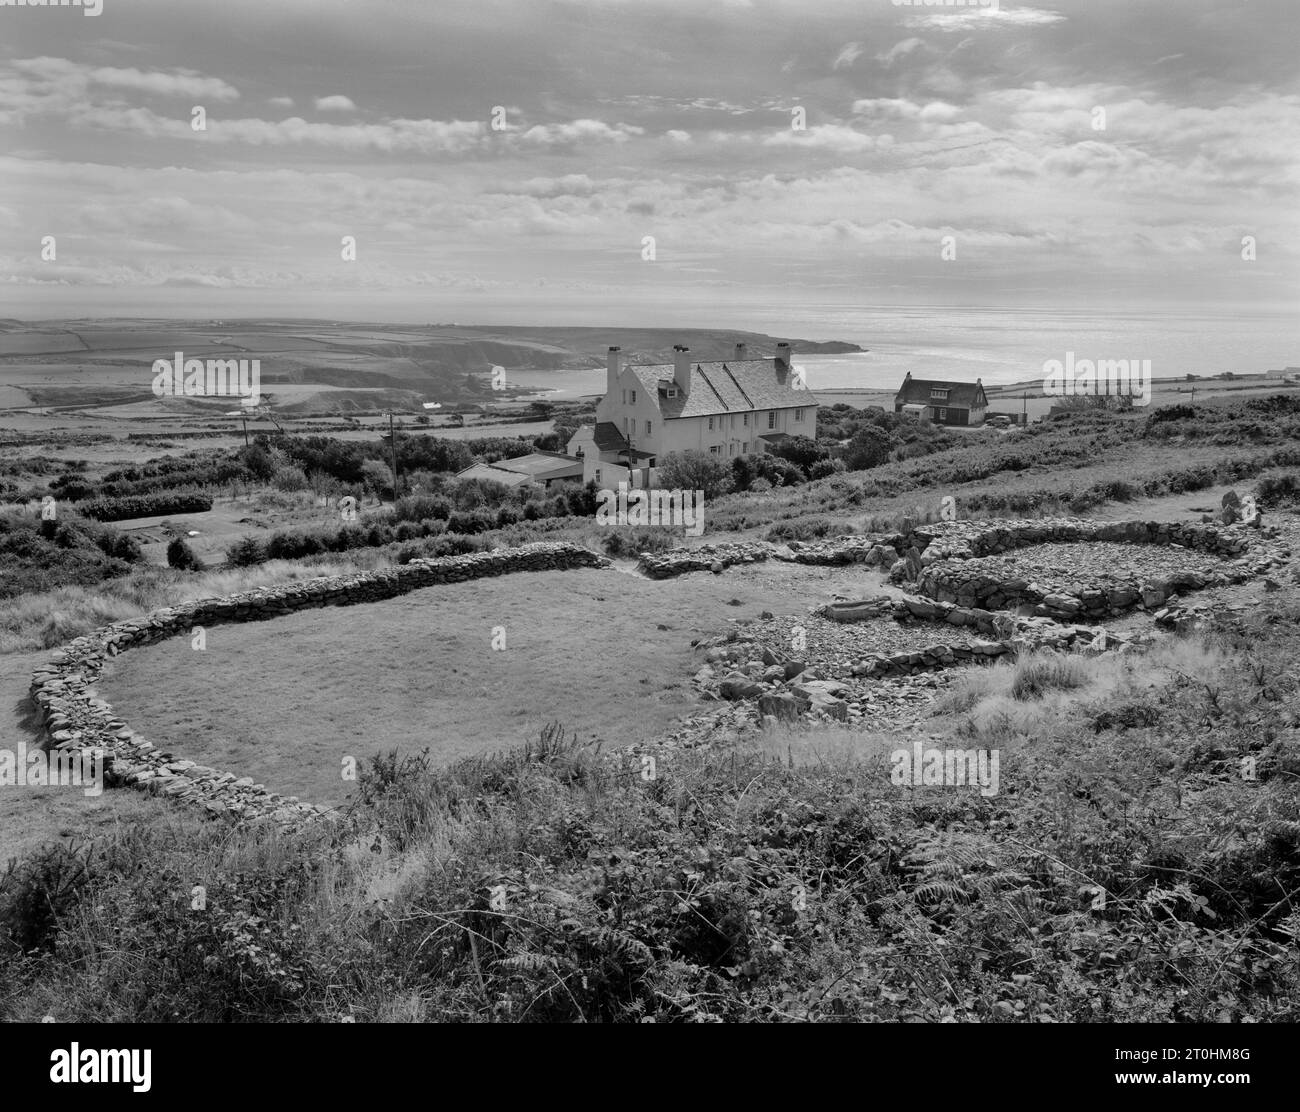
[(608, 653), (51, 618)]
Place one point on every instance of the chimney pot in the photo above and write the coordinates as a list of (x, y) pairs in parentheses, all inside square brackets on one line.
[(740, 353), (783, 358)]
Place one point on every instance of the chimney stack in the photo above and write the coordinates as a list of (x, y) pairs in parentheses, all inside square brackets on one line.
[(740, 352), (682, 367), (613, 365), (783, 362)]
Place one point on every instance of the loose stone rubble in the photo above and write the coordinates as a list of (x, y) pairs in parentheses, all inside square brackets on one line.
[(75, 718), (757, 663), (1103, 572)]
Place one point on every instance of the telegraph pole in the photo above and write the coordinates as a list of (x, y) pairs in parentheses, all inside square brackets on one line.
[(392, 443)]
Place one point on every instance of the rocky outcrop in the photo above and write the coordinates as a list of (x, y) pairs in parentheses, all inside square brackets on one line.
[(74, 718)]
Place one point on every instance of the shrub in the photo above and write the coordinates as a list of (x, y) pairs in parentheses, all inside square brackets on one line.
[(803, 530), (181, 556), (1040, 673), (696, 471), (289, 480), (632, 542), (245, 553), (824, 468), (35, 896), (1277, 490), (146, 505), (799, 450), (868, 448)]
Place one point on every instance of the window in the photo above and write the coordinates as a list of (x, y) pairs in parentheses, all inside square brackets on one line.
[(625, 397), (771, 419), (647, 428), (941, 414), (713, 450), (710, 424), (939, 394), (744, 448), (672, 391), (798, 414), (744, 418), (733, 448), (597, 474), (634, 397)]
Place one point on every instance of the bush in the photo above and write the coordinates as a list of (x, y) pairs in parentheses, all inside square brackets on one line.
[(868, 448), (35, 896), (181, 556), (803, 530), (475, 521), (799, 450), (632, 542), (146, 505), (1277, 490), (289, 480), (824, 468), (696, 471), (246, 553)]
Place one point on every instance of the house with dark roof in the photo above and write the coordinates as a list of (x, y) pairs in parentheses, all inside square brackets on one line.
[(944, 403), (727, 408)]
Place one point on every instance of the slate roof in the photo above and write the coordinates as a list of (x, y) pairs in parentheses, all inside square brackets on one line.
[(961, 395), (492, 474), (539, 466), (609, 439), (719, 386)]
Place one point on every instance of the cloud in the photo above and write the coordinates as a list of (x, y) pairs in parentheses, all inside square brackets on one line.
[(849, 54), (901, 50), (578, 131), (281, 102), (335, 103), (75, 75), (976, 18), (824, 137)]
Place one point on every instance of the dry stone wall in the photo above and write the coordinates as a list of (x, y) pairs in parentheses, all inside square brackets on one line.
[(952, 568), (75, 718), (716, 557), (1002, 634)]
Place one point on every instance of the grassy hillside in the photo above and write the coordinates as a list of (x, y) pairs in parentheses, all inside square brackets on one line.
[(1125, 872)]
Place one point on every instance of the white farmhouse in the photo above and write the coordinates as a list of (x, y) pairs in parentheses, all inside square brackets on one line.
[(728, 408)]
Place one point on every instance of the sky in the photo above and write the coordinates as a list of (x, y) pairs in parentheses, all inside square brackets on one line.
[(501, 159)]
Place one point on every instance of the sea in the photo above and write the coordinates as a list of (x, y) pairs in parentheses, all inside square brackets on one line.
[(997, 346)]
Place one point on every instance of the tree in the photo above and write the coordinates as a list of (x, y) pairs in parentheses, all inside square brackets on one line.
[(378, 477), (868, 448), (245, 553), (701, 471), (180, 555), (799, 450)]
